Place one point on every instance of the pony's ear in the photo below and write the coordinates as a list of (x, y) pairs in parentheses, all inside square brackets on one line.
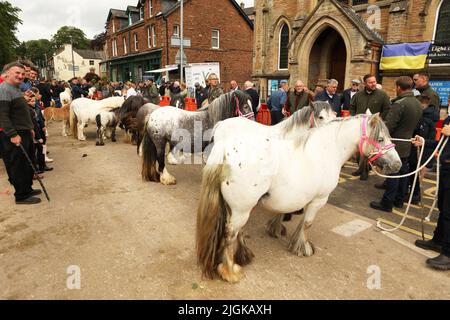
[(374, 120), (368, 112)]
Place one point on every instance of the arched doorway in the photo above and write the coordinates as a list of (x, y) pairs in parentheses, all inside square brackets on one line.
[(328, 59)]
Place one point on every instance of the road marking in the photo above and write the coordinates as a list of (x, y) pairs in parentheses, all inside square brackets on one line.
[(409, 230), (350, 177), (401, 214), (351, 228), (408, 245)]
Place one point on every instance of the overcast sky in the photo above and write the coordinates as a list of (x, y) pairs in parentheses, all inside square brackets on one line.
[(42, 18)]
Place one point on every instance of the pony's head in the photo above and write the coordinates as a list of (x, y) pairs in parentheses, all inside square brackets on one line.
[(230, 105), (377, 146), (311, 116)]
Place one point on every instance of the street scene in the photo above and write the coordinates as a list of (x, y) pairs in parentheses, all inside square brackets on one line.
[(247, 150)]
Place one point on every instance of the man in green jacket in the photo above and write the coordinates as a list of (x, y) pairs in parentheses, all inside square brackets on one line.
[(377, 101), (151, 92), (297, 98), (402, 120), (421, 81)]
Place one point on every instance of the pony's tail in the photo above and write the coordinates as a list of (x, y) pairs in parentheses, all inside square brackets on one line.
[(149, 157), (73, 121), (212, 216)]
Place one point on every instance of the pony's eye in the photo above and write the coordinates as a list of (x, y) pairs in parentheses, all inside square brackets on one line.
[(321, 118)]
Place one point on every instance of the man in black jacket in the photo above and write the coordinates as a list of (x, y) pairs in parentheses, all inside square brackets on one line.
[(17, 128), (401, 120), (250, 90), (441, 239), (348, 94)]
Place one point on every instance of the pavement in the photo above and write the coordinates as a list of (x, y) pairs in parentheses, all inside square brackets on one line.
[(106, 234)]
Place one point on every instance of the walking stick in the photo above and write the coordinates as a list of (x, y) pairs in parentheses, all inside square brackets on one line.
[(35, 171)]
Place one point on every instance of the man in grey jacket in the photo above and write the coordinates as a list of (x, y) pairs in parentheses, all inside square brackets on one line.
[(17, 129)]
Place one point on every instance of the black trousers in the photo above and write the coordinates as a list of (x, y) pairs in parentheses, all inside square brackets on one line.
[(442, 232), (276, 117), (396, 188), (19, 170)]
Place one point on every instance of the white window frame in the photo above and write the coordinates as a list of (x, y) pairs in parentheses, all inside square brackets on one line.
[(218, 39), (125, 49), (150, 8), (136, 42), (177, 28), (436, 20), (141, 13), (114, 47), (113, 26), (153, 36), (279, 45), (149, 37)]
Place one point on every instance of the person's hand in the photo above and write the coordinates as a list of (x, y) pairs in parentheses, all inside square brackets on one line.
[(284, 112), (41, 141), (417, 141), (446, 130), (16, 140), (33, 134)]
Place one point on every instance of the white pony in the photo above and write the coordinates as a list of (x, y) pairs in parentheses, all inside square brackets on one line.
[(284, 173), (91, 92), (84, 111), (66, 97)]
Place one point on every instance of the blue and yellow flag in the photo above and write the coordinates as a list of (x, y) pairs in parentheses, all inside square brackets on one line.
[(404, 55)]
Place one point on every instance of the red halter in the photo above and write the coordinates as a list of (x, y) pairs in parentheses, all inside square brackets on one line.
[(379, 150)]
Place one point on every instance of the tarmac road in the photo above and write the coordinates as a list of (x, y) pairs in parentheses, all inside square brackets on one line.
[(134, 240)]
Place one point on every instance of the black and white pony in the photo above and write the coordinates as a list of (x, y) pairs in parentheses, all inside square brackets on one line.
[(107, 122), (172, 125)]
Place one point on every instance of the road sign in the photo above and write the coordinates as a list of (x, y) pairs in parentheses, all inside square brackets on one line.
[(176, 42), (178, 57)]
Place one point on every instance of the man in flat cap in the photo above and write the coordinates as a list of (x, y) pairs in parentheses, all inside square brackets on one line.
[(349, 93)]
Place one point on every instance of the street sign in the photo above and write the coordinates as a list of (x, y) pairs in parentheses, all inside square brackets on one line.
[(178, 57), (176, 42)]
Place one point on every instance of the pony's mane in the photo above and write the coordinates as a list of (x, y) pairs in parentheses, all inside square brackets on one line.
[(302, 117), (374, 133), (224, 106)]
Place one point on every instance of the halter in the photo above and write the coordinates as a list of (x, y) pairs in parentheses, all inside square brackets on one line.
[(379, 150), (238, 112)]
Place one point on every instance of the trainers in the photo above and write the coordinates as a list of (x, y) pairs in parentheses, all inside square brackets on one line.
[(441, 262), (29, 200), (429, 245), (48, 160)]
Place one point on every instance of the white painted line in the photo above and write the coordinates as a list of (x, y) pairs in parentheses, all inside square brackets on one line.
[(423, 252), (351, 228)]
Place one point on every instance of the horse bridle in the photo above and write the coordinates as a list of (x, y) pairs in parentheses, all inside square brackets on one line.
[(238, 112), (379, 150)]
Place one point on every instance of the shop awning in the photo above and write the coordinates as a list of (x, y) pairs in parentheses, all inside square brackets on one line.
[(162, 70)]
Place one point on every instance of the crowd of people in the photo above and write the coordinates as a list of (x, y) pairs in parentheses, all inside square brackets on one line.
[(414, 112)]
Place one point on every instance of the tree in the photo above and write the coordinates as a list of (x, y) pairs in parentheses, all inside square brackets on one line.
[(37, 51), (9, 19), (99, 41), (65, 34)]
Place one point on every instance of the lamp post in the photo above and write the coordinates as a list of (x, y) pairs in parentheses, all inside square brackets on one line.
[(181, 41), (73, 59)]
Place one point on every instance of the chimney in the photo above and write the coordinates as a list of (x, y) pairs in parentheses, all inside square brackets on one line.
[(242, 5)]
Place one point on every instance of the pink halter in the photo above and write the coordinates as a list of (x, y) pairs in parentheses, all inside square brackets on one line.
[(379, 151)]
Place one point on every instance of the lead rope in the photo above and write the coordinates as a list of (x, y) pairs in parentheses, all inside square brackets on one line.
[(441, 145)]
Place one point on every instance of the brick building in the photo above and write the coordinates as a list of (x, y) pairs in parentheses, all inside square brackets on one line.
[(140, 38), (315, 40)]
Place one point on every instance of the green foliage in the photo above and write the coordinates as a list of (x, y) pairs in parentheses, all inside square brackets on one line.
[(36, 50), (9, 19), (65, 34)]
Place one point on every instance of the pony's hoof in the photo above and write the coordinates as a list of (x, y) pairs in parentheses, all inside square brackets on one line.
[(167, 179), (113, 140), (276, 229), (305, 249), (232, 276)]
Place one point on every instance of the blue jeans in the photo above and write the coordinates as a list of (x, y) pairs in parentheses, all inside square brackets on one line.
[(396, 188)]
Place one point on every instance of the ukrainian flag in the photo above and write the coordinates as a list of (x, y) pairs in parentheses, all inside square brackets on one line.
[(404, 55)]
